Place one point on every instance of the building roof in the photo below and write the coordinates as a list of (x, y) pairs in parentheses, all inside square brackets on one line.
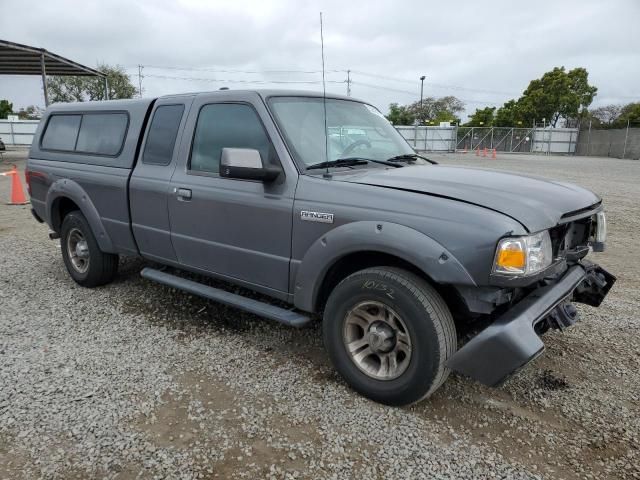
[(17, 59)]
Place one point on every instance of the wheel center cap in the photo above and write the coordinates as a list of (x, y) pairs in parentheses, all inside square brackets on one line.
[(381, 338), (82, 249)]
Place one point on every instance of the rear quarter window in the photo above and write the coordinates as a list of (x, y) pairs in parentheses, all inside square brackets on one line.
[(88, 133), (102, 133), (61, 132)]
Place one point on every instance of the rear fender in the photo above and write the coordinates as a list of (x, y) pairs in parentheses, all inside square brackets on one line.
[(400, 241), (66, 188)]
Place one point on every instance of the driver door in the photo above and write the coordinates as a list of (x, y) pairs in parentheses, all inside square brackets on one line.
[(236, 229)]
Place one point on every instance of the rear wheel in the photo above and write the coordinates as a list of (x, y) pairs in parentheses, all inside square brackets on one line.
[(85, 262), (389, 334)]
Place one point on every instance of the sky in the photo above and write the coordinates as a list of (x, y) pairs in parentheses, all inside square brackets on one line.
[(482, 52)]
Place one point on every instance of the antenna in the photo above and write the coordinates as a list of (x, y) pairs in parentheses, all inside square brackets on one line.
[(324, 102)]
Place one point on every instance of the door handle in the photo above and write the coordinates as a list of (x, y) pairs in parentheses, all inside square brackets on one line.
[(182, 193)]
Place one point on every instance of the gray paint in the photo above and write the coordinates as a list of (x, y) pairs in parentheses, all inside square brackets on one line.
[(445, 221)]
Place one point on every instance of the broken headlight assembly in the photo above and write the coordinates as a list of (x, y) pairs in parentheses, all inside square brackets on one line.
[(598, 232), (526, 255)]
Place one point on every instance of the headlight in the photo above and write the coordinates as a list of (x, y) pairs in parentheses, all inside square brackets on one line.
[(523, 255)]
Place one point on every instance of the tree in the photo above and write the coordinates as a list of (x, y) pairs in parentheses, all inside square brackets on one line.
[(6, 108), (508, 115), (558, 94), (629, 113), (432, 110), (607, 114), (30, 113), (81, 89), (400, 115), (482, 117)]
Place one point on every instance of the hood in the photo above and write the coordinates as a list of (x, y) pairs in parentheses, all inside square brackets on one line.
[(536, 203)]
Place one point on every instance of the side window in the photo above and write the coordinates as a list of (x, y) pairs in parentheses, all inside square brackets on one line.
[(227, 125), (162, 134), (102, 133), (61, 132)]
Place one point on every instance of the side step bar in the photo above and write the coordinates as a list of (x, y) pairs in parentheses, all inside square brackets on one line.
[(282, 315)]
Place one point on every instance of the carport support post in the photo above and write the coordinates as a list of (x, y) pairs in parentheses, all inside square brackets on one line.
[(44, 81), (106, 88)]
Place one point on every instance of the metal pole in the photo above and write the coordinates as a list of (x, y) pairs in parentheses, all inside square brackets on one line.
[(44, 80), (140, 67), (106, 89), (491, 142), (589, 140), (348, 83), (421, 95), (13, 138)]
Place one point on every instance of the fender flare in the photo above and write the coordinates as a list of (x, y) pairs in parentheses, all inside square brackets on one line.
[(66, 188), (394, 239)]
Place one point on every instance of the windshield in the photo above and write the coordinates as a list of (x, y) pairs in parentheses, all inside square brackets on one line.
[(354, 130)]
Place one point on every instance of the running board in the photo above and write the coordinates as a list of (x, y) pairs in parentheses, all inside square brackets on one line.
[(282, 315)]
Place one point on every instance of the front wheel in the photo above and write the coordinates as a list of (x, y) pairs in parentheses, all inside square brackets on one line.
[(389, 334), (86, 263)]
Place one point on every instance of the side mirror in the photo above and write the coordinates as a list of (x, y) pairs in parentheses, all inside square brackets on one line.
[(246, 164)]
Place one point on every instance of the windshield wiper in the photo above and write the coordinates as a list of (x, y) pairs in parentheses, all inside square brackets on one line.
[(410, 156), (349, 162)]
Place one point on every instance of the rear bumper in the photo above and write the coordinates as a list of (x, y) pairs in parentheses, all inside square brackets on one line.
[(511, 341)]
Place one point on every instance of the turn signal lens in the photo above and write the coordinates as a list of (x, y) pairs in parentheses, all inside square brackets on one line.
[(511, 257)]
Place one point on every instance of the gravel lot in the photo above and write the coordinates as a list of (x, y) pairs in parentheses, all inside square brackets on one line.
[(135, 380)]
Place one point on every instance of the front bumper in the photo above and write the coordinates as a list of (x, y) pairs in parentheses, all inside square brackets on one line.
[(511, 341)]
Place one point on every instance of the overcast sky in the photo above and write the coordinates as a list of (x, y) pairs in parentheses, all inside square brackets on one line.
[(482, 52)]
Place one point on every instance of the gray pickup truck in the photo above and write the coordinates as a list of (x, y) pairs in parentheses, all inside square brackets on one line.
[(319, 202)]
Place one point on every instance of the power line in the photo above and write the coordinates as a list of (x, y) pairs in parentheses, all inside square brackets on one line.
[(216, 70), (222, 80), (413, 94), (438, 85)]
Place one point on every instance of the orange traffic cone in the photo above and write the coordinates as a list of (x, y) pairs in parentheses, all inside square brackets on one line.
[(477, 152), (17, 193), (484, 152), (494, 154)]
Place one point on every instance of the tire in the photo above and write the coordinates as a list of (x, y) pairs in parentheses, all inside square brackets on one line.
[(85, 262), (404, 323)]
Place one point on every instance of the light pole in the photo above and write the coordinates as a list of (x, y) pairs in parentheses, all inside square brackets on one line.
[(421, 95)]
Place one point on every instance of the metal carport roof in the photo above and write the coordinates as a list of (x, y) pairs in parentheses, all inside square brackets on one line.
[(18, 59)]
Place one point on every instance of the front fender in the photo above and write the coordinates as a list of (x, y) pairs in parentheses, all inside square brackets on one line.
[(403, 242), (66, 188)]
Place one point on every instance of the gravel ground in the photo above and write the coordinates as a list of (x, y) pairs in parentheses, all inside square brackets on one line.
[(135, 380)]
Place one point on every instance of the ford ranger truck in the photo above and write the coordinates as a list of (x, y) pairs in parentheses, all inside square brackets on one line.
[(416, 269)]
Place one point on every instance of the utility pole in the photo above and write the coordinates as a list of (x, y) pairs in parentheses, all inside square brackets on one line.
[(348, 83), (140, 77), (421, 96)]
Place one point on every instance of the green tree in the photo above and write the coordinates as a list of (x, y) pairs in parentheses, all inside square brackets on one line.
[(482, 117), (630, 113), (81, 89), (6, 108), (558, 94), (400, 115), (508, 115), (432, 110)]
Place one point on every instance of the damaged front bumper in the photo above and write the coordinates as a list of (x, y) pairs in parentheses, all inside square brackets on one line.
[(511, 341)]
